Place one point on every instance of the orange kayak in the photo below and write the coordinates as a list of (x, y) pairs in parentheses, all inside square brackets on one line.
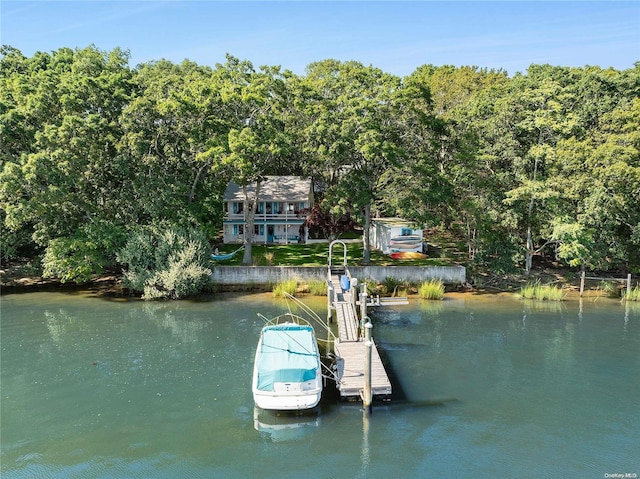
[(407, 255)]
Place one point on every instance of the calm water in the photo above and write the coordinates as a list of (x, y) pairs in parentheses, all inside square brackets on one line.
[(93, 388)]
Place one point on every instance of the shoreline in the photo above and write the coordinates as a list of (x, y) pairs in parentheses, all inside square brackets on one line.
[(111, 286)]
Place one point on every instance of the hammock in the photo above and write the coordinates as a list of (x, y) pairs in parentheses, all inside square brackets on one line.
[(224, 257)]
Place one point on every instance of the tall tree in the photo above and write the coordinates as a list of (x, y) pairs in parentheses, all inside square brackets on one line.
[(62, 184), (351, 130), (174, 136), (255, 103)]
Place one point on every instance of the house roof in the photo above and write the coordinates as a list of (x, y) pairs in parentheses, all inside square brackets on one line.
[(273, 188)]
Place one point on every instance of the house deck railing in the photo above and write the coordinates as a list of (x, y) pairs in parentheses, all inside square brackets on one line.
[(287, 216)]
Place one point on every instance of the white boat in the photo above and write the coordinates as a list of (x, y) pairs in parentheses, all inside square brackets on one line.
[(287, 371)]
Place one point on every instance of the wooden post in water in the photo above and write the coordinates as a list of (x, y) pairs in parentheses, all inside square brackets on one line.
[(329, 302), (367, 396), (628, 287), (353, 288), (582, 282)]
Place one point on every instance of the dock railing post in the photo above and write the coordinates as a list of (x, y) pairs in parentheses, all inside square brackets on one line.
[(367, 396), (353, 287), (329, 302), (363, 301)]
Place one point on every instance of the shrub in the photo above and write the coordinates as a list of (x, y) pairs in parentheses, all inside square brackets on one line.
[(288, 286), (390, 285), (73, 259), (166, 263), (431, 289), (542, 292), (88, 252)]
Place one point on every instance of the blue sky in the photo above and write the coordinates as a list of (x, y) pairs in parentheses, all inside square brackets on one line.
[(395, 36)]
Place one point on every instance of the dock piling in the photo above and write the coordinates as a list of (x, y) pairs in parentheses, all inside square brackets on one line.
[(363, 301), (367, 397), (329, 302)]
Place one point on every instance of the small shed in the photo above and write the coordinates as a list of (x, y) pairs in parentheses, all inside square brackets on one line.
[(392, 235)]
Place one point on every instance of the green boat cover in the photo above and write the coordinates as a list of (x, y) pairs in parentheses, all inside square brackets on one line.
[(288, 354)]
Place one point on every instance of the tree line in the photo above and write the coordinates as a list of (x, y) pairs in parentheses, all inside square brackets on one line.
[(93, 151)]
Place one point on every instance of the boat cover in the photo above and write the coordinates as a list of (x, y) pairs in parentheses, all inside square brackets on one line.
[(288, 353)]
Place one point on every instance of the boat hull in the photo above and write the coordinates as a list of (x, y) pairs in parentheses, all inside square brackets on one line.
[(281, 402)]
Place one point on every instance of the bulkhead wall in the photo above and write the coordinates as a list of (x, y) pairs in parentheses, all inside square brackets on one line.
[(275, 274)]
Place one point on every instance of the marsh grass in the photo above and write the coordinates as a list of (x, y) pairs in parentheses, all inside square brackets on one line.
[(288, 286), (543, 292), (634, 294), (390, 285), (317, 287), (610, 289), (431, 289)]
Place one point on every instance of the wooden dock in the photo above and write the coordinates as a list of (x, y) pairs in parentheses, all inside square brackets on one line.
[(351, 358), (350, 346)]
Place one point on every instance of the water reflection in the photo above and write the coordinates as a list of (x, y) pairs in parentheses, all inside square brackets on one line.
[(167, 316), (365, 454), (281, 426)]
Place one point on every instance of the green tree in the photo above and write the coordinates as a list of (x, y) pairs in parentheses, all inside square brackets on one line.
[(174, 136), (255, 104), (60, 125), (351, 133)]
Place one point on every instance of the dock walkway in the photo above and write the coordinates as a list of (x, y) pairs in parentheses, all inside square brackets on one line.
[(350, 347)]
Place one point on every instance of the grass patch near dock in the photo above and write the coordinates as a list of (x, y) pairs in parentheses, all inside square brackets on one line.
[(317, 287), (543, 292), (431, 289), (289, 286), (634, 294)]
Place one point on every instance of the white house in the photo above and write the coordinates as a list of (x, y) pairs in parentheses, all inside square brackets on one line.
[(391, 235), (278, 217)]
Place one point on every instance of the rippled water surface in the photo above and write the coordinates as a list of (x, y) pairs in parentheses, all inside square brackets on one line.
[(489, 387)]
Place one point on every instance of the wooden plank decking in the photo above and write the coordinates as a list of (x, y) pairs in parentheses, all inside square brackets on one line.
[(350, 350), (351, 370)]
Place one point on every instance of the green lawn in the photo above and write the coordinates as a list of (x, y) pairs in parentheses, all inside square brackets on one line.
[(317, 255)]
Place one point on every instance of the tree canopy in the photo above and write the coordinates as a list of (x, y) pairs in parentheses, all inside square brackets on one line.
[(93, 151)]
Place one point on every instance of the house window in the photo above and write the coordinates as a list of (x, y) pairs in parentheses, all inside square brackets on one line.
[(406, 232), (258, 230), (238, 208), (290, 207)]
